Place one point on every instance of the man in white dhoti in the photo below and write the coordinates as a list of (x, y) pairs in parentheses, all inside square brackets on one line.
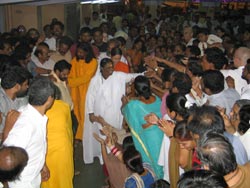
[(103, 99)]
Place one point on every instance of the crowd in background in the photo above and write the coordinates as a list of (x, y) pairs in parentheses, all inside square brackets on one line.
[(162, 102)]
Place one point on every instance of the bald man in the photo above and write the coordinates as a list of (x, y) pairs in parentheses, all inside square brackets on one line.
[(12, 162)]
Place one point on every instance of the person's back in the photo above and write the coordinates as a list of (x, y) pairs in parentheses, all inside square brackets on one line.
[(29, 132), (142, 176)]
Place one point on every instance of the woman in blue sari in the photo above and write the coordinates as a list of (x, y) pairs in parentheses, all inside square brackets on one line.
[(147, 137)]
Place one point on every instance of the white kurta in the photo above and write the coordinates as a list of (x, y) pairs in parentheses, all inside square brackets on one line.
[(104, 99), (29, 132), (236, 75)]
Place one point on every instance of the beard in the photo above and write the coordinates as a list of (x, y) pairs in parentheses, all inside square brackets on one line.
[(22, 94)]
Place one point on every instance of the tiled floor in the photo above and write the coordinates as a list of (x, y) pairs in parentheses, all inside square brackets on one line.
[(91, 175)]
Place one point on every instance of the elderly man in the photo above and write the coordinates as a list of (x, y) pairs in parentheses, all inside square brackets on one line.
[(12, 162), (41, 64), (217, 154), (241, 55), (188, 35)]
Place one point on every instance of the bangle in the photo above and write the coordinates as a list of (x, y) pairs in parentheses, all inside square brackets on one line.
[(117, 153)]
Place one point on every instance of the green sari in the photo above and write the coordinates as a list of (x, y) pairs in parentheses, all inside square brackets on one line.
[(147, 140)]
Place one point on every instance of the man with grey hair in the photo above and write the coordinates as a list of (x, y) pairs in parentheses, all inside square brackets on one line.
[(216, 154), (241, 55)]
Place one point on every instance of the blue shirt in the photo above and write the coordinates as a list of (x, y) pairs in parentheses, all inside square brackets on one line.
[(239, 150)]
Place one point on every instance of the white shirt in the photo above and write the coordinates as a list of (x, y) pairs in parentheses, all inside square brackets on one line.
[(245, 94), (224, 99), (236, 75), (29, 133), (46, 65)]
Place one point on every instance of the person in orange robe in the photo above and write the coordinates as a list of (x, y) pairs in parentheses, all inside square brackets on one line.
[(116, 54), (83, 68)]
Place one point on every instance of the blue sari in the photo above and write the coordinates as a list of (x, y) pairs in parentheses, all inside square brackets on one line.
[(147, 141)]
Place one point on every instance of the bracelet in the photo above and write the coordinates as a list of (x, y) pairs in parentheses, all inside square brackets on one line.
[(117, 153), (170, 137)]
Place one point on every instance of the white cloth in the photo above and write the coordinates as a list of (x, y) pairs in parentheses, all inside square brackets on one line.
[(104, 99), (163, 157), (51, 43), (212, 39), (46, 65), (190, 42), (236, 75), (29, 132), (245, 94), (224, 99), (164, 154)]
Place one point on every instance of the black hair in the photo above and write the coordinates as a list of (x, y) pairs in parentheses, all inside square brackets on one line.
[(213, 80), (66, 40), (181, 132), (45, 27), (105, 61), (96, 29), (14, 75), (215, 151), (61, 25), (194, 66), (116, 51), (166, 74), (3, 42), (204, 31), (182, 82), (176, 102), (244, 114), (133, 160), (39, 50), (88, 49), (85, 30), (62, 65), (121, 40), (201, 179), (216, 57), (142, 86), (205, 118), (127, 142), (21, 52), (160, 183), (40, 90), (194, 50), (17, 159)]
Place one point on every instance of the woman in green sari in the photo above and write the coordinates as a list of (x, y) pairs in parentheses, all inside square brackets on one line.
[(147, 137)]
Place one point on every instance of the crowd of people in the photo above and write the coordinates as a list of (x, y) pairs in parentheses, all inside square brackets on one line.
[(162, 102)]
